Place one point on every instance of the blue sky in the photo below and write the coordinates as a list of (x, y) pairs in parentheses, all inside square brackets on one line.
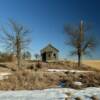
[(46, 20)]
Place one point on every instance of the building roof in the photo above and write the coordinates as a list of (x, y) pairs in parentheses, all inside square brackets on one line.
[(49, 47)]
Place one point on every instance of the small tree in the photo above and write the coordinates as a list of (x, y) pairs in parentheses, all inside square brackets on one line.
[(26, 55), (80, 43), (17, 40), (37, 56)]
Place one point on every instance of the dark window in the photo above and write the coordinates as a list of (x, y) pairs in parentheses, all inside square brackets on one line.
[(54, 55)]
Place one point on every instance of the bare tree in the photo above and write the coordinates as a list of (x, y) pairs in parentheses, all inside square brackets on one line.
[(26, 55), (82, 45), (16, 40), (37, 56)]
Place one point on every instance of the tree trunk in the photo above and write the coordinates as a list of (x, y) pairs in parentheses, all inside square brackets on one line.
[(79, 59), (18, 47), (19, 62), (18, 59), (80, 44)]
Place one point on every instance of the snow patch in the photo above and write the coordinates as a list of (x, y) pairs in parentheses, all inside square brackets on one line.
[(63, 70), (78, 83), (4, 75), (50, 94)]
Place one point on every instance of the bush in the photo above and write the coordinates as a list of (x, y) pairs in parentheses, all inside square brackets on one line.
[(38, 65)]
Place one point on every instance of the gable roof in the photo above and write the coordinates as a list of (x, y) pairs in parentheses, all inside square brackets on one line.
[(48, 48)]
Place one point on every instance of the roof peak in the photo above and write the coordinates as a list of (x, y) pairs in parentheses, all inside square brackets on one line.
[(50, 45)]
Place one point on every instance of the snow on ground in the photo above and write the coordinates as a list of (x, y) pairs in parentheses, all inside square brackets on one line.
[(4, 75), (78, 83), (50, 94), (63, 70), (87, 93)]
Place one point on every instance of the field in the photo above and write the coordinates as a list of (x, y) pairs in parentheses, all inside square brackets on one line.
[(93, 63), (50, 81)]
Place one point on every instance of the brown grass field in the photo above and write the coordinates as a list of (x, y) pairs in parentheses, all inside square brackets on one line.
[(93, 63), (34, 75)]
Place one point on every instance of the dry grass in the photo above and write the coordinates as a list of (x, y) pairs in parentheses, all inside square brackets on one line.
[(93, 63), (33, 76), (26, 79), (51, 65), (69, 66), (29, 80), (87, 79)]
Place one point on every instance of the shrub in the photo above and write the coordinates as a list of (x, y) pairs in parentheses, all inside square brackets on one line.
[(38, 65)]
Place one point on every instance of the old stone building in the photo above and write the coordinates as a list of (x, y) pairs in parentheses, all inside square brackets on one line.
[(49, 53)]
